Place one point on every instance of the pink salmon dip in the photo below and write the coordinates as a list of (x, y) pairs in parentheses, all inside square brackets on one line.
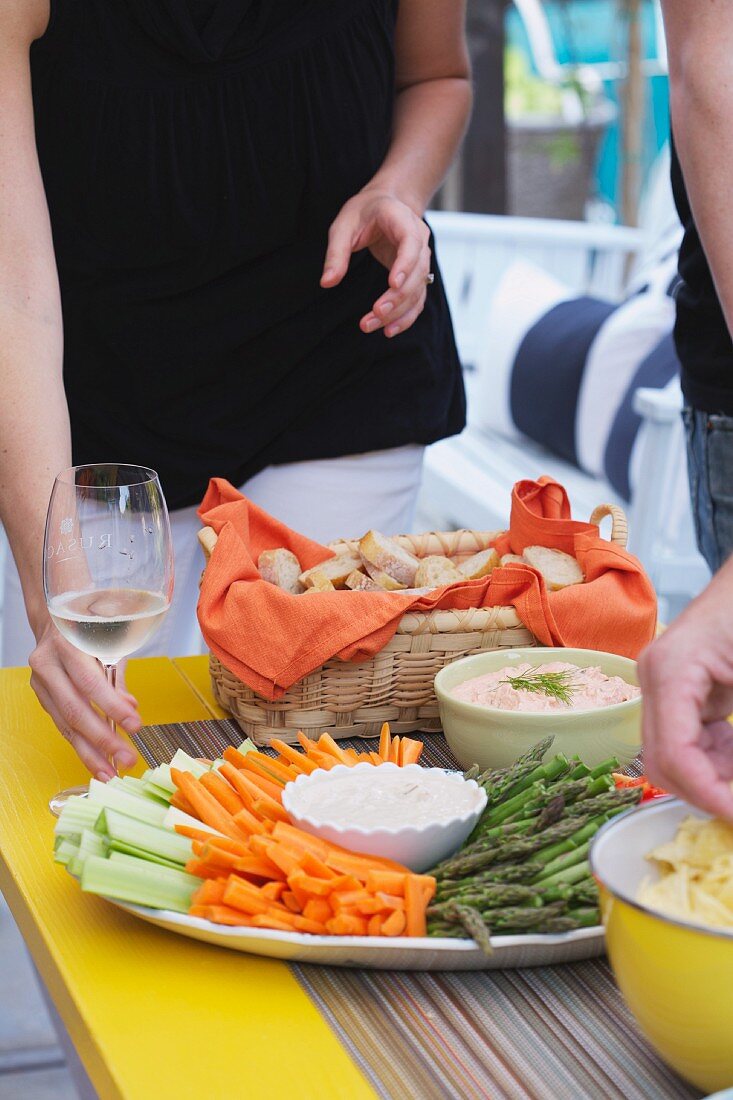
[(590, 688)]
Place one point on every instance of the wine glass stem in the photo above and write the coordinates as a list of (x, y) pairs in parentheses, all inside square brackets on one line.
[(110, 671)]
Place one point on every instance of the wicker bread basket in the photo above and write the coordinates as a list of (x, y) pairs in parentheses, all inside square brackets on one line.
[(353, 700)]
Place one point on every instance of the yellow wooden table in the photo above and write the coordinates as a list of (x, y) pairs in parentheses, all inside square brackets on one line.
[(152, 1015)]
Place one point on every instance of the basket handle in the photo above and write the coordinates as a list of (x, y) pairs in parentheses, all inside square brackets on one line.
[(619, 522), (207, 536)]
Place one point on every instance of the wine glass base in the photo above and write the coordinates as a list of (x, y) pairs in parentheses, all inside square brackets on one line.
[(57, 803)]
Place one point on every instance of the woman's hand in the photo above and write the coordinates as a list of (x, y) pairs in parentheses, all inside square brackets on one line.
[(67, 682), (395, 236), (686, 678)]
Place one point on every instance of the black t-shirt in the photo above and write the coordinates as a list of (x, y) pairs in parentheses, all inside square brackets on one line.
[(703, 342)]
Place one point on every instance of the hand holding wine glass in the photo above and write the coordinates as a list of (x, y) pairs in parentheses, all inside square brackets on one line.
[(108, 579)]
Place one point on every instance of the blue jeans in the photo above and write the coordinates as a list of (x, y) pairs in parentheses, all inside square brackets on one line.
[(710, 470)]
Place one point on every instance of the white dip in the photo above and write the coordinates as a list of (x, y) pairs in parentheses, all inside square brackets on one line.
[(385, 797)]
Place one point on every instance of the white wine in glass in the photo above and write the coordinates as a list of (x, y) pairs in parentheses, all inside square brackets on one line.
[(107, 563)]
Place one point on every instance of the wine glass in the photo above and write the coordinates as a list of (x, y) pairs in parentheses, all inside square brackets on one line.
[(107, 564)]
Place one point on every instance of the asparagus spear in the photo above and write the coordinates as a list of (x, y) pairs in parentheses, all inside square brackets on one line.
[(511, 852)]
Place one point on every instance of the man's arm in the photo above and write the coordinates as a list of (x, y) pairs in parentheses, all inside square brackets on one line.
[(700, 47)]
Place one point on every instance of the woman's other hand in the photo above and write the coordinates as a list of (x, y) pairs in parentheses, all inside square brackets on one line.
[(686, 678), (67, 683), (395, 236)]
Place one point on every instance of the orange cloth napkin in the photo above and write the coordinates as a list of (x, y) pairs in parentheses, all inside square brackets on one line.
[(270, 639)]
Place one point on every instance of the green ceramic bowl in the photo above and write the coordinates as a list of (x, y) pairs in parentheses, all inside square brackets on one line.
[(494, 738)]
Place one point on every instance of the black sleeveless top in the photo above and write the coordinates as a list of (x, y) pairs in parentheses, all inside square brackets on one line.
[(194, 154)]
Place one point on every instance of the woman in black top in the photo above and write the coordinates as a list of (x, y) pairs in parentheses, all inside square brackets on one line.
[(190, 163)]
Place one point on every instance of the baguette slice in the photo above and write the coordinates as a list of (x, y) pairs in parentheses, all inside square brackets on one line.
[(336, 570), (383, 580), (281, 568), (559, 569), (435, 571), (360, 582), (507, 559), (479, 565), (319, 582), (387, 556)]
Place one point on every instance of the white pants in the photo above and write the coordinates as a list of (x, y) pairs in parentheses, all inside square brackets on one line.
[(327, 499)]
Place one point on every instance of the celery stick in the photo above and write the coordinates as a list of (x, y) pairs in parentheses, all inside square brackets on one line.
[(108, 797), (77, 815), (159, 794), (185, 763), (92, 844), (247, 746), (133, 884), (161, 777), (139, 788), (64, 851), (148, 838), (174, 874), (75, 865), (179, 817), (121, 848)]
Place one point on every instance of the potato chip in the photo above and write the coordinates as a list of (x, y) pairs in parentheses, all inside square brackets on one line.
[(695, 874)]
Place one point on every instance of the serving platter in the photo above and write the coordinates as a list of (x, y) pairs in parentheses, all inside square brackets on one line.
[(383, 953)]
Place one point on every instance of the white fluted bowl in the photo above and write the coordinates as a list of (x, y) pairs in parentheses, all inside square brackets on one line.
[(418, 847)]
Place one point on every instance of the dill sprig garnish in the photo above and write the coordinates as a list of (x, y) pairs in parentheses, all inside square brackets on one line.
[(557, 685)]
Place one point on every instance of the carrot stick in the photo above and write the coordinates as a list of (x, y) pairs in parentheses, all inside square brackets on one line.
[(236, 847), (327, 744), (415, 907), (305, 742), (352, 756), (384, 743), (263, 779), (312, 865), (390, 901), (343, 900), (394, 751), (210, 892), (290, 901), (240, 895), (318, 887), (245, 785), (299, 759), (395, 924), (347, 925), (221, 914), (195, 834), (182, 803), (317, 909), (234, 756), (302, 841), (376, 758), (273, 891), (205, 806), (271, 920), (268, 808), (284, 860), (267, 767), (369, 905), (374, 928), (222, 792), (410, 751), (391, 882), (248, 823), (322, 759), (260, 868), (202, 869)]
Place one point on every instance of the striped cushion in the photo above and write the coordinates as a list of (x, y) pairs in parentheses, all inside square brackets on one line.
[(562, 369)]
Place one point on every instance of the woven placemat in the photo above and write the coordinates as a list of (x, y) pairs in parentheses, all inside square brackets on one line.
[(546, 1033)]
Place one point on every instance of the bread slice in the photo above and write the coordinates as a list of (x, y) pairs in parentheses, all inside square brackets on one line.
[(319, 582), (387, 556), (384, 580), (360, 582), (558, 568), (336, 570), (479, 565), (281, 568), (435, 571), (507, 559)]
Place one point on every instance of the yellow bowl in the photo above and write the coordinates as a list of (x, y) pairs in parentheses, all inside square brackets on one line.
[(494, 738), (676, 978)]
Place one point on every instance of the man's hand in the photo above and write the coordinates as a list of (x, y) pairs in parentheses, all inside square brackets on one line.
[(395, 236), (686, 678), (67, 682)]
